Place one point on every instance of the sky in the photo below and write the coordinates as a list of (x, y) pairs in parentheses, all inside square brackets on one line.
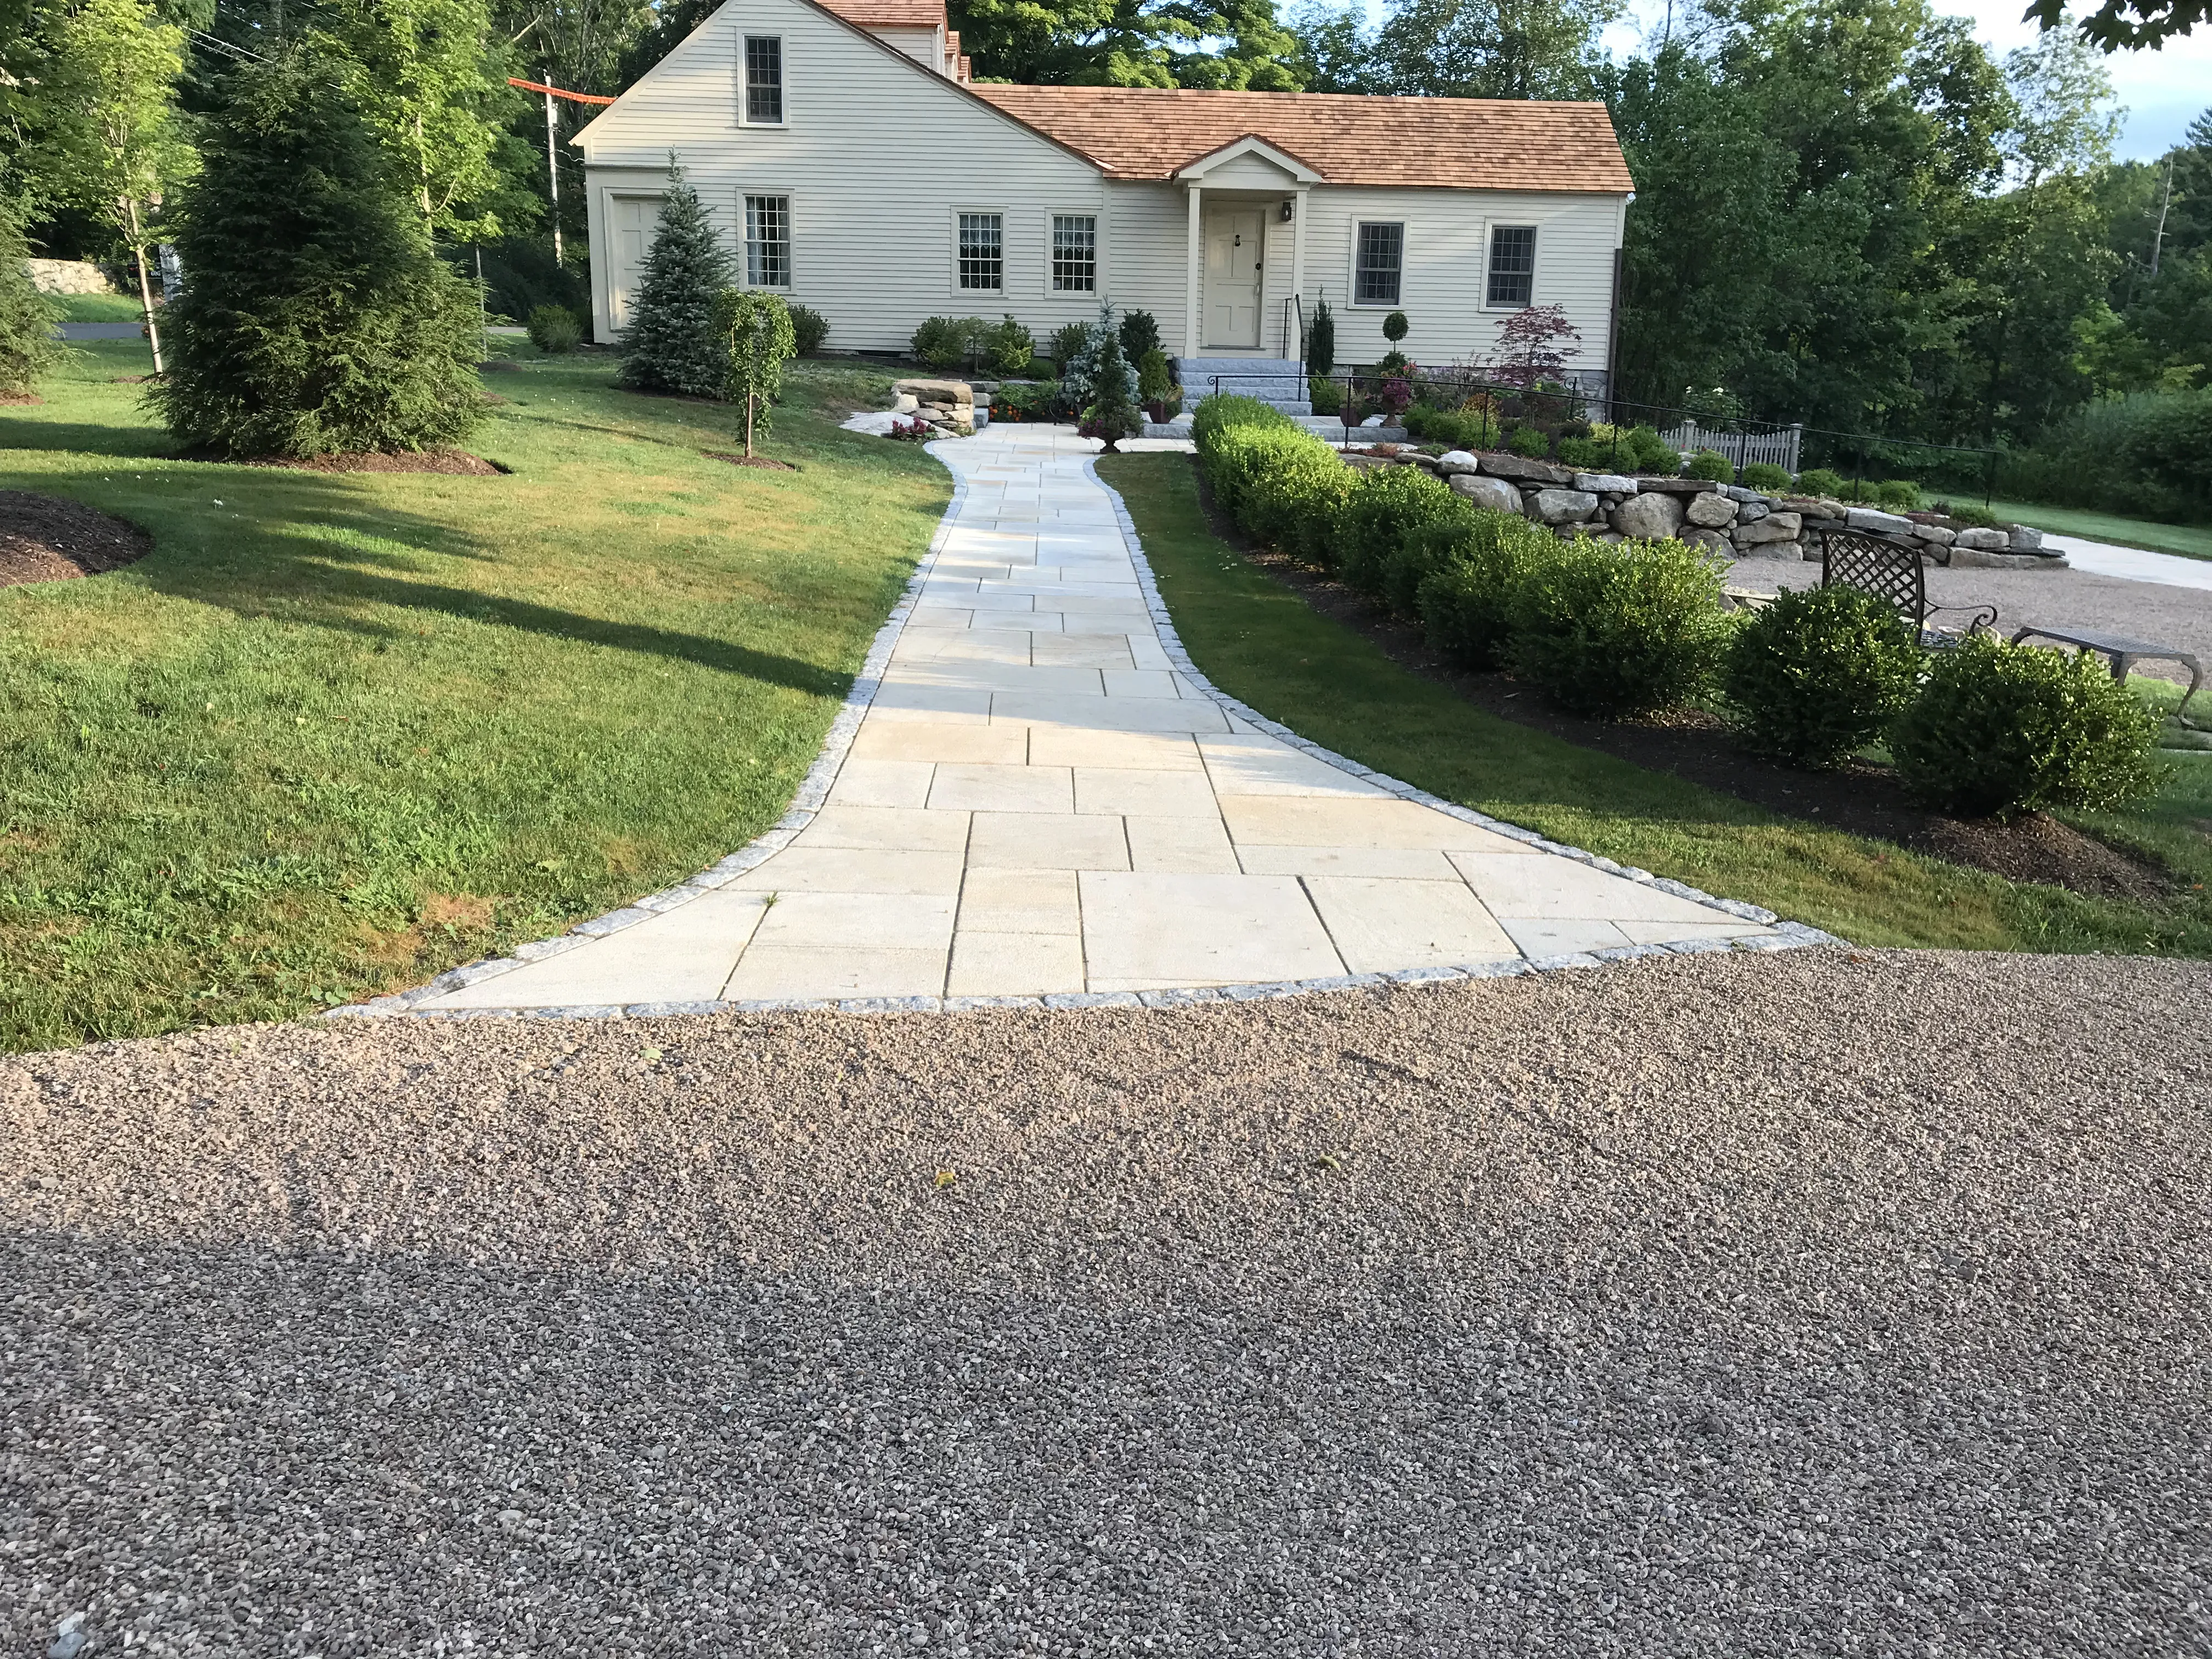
[(2162, 91)]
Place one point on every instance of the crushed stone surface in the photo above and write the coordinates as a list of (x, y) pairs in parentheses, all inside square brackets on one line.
[(1829, 1304)]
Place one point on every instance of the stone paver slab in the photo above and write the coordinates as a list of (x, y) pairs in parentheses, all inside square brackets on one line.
[(1002, 789), (800, 869), (1148, 932), (1040, 841), (1316, 821), (1015, 964), (1559, 889), (1021, 901), (1381, 924), (1156, 794), (981, 745)]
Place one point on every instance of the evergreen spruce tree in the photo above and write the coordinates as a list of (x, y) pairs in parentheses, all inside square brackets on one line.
[(27, 347), (1113, 413), (673, 343), (314, 319)]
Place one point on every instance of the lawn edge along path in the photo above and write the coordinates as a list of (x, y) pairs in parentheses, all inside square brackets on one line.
[(815, 790)]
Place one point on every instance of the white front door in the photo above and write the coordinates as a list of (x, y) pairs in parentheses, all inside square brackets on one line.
[(1235, 240), (634, 220)]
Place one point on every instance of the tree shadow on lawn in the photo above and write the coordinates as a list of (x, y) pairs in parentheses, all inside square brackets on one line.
[(277, 575)]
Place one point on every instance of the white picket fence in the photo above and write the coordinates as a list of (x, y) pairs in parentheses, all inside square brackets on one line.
[(1778, 448)]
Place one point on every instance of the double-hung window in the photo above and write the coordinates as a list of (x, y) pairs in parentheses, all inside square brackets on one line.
[(1379, 263), (1074, 253), (767, 241), (1512, 266), (982, 252), (763, 81)]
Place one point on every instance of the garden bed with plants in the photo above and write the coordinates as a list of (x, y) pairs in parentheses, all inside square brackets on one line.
[(2016, 762)]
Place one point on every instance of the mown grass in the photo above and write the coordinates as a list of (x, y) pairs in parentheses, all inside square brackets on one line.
[(339, 733), (2189, 541), (97, 308), (1261, 642)]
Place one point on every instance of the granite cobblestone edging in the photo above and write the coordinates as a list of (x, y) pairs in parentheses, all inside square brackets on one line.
[(814, 789)]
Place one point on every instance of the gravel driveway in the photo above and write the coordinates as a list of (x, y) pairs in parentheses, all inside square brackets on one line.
[(1820, 1304)]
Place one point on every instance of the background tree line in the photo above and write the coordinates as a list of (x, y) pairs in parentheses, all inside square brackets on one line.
[(1848, 211)]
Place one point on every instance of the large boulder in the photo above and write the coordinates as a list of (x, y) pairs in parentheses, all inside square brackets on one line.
[(1649, 516), (1867, 519), (2026, 540), (1678, 486), (1774, 527), (1562, 506), (1982, 541), (1527, 471), (1605, 483), (1485, 492), (1935, 533), (1458, 460), (1711, 511), (1712, 540), (1814, 507), (1756, 508)]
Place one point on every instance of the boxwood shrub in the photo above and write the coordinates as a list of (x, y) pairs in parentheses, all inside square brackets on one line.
[(1282, 485), (1383, 509), (2000, 729), (1475, 567), (1711, 464), (1763, 475), (1619, 630), (1819, 672), (1820, 481)]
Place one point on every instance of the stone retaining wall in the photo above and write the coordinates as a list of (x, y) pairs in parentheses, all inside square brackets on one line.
[(68, 276), (1732, 520)]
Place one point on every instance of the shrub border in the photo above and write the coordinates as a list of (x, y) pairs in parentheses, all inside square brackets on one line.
[(813, 791)]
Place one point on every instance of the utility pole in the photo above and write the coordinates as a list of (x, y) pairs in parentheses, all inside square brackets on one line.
[(553, 168), (2166, 201)]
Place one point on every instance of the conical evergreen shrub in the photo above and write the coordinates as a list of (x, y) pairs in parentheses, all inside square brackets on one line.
[(672, 344), (314, 319), (28, 347)]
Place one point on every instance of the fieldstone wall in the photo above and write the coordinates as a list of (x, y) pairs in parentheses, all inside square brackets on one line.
[(948, 405), (1734, 521)]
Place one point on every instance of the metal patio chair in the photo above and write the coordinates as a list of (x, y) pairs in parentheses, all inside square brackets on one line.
[(1895, 575)]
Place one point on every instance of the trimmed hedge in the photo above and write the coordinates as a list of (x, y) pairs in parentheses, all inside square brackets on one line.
[(1383, 509), (1818, 672), (2001, 729), (1474, 567), (1615, 631)]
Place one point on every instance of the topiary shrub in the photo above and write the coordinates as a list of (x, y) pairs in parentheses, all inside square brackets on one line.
[(1711, 465), (1383, 509), (1999, 729), (554, 330), (318, 320), (1528, 440), (1140, 335), (1008, 347), (1619, 630), (1477, 566), (1898, 496), (810, 328), (672, 344), (1321, 340), (1763, 475), (1811, 677), (1818, 481), (28, 350)]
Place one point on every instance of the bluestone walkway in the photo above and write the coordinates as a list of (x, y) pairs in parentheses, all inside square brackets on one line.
[(1041, 799)]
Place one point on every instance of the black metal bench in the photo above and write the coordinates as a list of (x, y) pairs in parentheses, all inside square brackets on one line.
[(2120, 653)]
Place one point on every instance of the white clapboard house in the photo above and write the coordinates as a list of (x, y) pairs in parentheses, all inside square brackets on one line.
[(854, 166)]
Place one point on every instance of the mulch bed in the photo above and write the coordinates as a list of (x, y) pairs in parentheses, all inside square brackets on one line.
[(45, 538), (1861, 799), (452, 461), (18, 399), (748, 460)]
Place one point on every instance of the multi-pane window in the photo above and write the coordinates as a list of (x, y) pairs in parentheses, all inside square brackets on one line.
[(983, 251), (1074, 253), (764, 80), (1512, 265), (767, 241), (1381, 262)]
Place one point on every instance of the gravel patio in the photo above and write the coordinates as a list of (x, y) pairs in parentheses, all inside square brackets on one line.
[(1825, 1303)]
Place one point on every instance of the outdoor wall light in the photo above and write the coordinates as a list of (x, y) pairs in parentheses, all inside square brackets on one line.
[(1289, 210)]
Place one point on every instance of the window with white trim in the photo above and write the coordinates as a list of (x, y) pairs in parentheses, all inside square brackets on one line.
[(1075, 253), (983, 252), (767, 241), (1378, 264), (763, 80), (1512, 266)]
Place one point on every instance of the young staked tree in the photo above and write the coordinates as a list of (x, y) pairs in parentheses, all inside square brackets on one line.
[(755, 331), (107, 135), (27, 349), (315, 320), (673, 343)]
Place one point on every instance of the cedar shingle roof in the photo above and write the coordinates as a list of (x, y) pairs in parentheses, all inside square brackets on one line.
[(889, 13), (1466, 143)]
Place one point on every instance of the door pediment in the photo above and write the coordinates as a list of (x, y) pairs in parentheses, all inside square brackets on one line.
[(1249, 163)]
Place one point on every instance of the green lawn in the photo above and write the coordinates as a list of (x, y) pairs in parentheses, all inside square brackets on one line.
[(1260, 641), (2190, 541), (339, 733), (97, 307)]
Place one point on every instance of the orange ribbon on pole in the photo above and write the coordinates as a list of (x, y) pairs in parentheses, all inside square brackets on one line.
[(556, 92)]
